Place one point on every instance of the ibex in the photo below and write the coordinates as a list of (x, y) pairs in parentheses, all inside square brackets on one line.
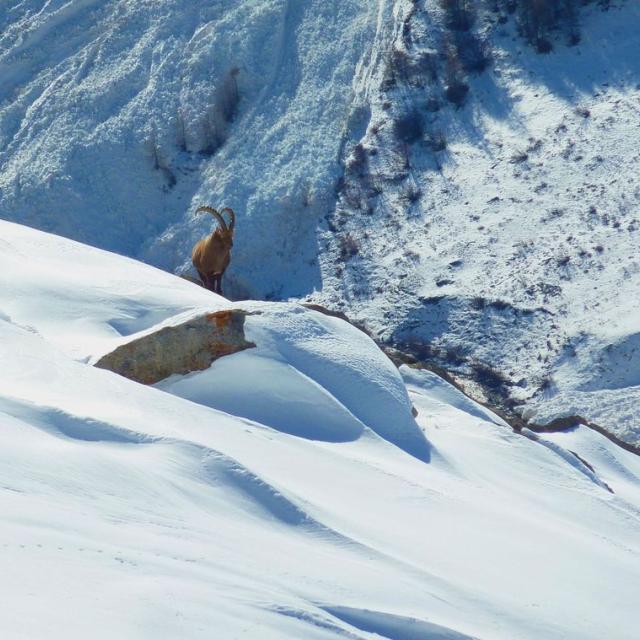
[(211, 255)]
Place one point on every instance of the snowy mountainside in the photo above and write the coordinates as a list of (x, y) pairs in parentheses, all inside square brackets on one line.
[(136, 511), (115, 116), (496, 237)]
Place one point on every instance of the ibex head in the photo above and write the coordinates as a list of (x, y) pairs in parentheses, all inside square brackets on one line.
[(224, 230)]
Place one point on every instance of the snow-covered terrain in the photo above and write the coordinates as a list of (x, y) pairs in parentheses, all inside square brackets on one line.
[(497, 238), (515, 247), (286, 492)]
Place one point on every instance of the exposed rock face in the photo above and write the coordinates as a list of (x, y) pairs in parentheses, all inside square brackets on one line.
[(190, 346)]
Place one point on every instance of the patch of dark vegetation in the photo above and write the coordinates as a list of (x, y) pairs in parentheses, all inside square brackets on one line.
[(455, 85), (473, 53), (548, 289), (410, 194), (348, 246), (460, 15), (488, 377), (456, 92), (481, 304), (539, 21), (432, 105), (518, 157), (501, 305), (430, 300), (160, 163), (426, 65), (221, 112), (437, 141), (357, 160), (583, 112), (409, 127)]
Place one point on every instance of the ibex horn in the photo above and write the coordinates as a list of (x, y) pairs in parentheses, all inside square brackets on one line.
[(214, 213), (232, 217)]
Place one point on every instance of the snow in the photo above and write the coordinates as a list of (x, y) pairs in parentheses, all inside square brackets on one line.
[(300, 510), (99, 94)]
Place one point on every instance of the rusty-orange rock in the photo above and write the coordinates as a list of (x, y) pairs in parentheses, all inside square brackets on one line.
[(180, 349)]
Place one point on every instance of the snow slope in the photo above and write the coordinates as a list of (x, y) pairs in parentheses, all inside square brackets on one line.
[(187, 511), (502, 235)]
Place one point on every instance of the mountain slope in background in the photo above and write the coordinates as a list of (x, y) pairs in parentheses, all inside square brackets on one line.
[(496, 237), (509, 255), (136, 511), (116, 115)]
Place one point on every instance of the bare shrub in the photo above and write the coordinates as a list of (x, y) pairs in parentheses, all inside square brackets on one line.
[(349, 246), (181, 133), (400, 63), (159, 162), (437, 141), (432, 105), (472, 52), (583, 112), (459, 14), (228, 95), (221, 112), (410, 194), (538, 19), (357, 160), (456, 92), (456, 88), (426, 63)]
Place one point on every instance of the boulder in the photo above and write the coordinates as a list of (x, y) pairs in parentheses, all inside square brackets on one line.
[(190, 346)]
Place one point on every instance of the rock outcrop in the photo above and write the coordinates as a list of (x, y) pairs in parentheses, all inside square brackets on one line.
[(180, 349)]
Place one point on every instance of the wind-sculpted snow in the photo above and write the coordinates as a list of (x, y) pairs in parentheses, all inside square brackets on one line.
[(271, 392), (312, 376), (394, 627), (130, 512), (303, 358), (92, 300)]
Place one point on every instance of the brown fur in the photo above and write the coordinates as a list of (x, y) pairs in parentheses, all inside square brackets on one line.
[(211, 255)]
